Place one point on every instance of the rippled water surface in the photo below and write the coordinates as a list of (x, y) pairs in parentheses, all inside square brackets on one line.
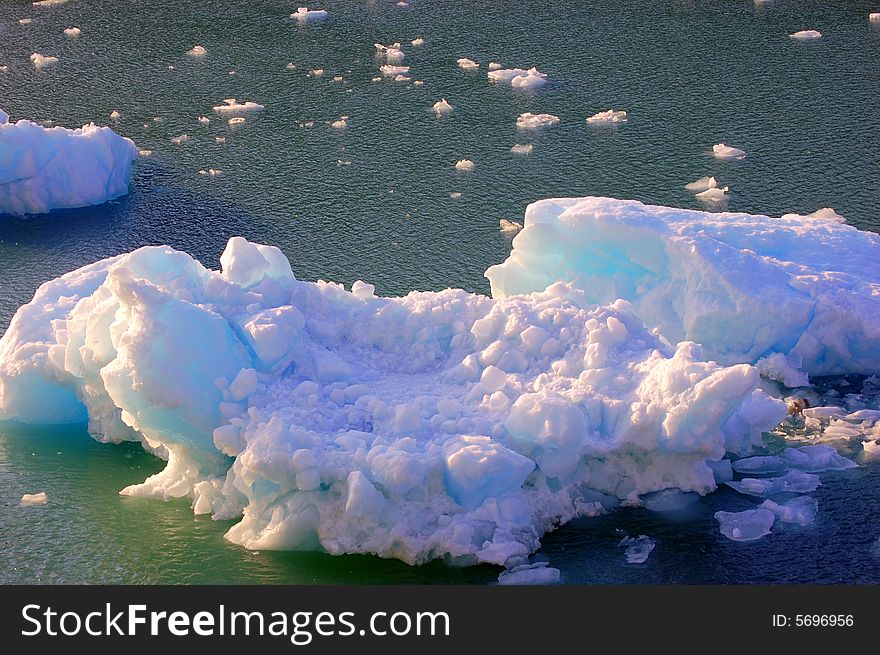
[(373, 202)]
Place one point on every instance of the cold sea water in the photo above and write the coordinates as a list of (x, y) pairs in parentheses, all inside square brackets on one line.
[(374, 202)]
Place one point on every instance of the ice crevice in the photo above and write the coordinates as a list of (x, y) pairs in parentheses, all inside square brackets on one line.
[(439, 424)]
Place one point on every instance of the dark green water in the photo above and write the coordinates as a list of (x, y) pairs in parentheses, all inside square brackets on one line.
[(691, 73)]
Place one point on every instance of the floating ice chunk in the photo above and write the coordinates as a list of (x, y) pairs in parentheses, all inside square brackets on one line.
[(783, 368), (530, 574), (722, 151), (197, 51), (143, 152), (638, 549), (304, 14), (73, 31), (211, 172), (530, 121), (339, 124), (815, 459), (41, 61), (716, 195), (703, 184), (455, 195), (827, 214), (115, 115), (52, 168), (519, 78), (610, 117), (749, 525), (182, 138), (760, 465), (464, 165), (25, 21), (393, 71), (668, 500), (4, 69), (317, 72), (806, 35), (442, 108), (509, 227), (48, 3), (418, 41), (338, 78), (402, 4), (801, 510), (792, 482), (233, 106), (290, 66), (467, 64), (402, 78), (204, 120), (825, 413), (874, 18), (40, 498), (743, 286), (494, 66)]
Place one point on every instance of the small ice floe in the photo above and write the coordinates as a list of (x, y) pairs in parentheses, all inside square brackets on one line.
[(290, 66), (746, 526), (638, 549), (180, 139), (338, 78), (816, 459), (722, 151), (402, 78), (800, 511), (530, 574), (115, 115), (464, 165), (522, 148), (874, 18), (442, 108), (25, 21), (73, 31), (41, 61), (509, 227), (4, 69), (48, 3), (393, 55), (467, 64), (402, 4), (233, 106), (211, 172), (197, 51), (416, 83), (34, 499), (824, 214), (455, 195), (316, 72), (343, 162), (530, 121), (376, 79), (388, 70), (495, 66), (220, 139), (304, 14), (418, 41), (204, 120), (609, 117), (339, 124), (711, 196), (519, 78), (825, 412), (703, 184), (806, 35), (237, 120), (796, 482), (143, 152)]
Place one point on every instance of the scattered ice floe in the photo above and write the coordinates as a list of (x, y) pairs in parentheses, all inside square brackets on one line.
[(806, 35), (638, 549), (305, 15), (530, 121), (41, 61), (40, 498), (73, 31), (442, 108), (609, 117), (464, 165), (703, 184), (197, 51), (518, 78), (723, 151), (508, 226), (522, 148), (467, 64), (233, 106)]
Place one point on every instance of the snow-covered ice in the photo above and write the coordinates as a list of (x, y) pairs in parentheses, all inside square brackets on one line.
[(744, 286), (438, 424), (495, 66), (724, 151), (442, 108), (418, 41), (197, 51), (611, 116), (72, 31), (393, 71), (748, 525), (304, 14), (40, 498), (464, 165), (232, 106), (115, 115), (783, 368), (792, 482), (508, 226), (41, 61), (703, 184), (816, 459), (522, 148), (874, 18), (519, 78), (801, 510), (530, 121), (467, 64), (806, 35), (764, 465), (714, 195), (339, 124), (42, 169)]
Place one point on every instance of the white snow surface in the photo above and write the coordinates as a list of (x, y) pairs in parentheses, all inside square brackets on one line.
[(519, 78), (42, 169), (744, 286), (438, 424)]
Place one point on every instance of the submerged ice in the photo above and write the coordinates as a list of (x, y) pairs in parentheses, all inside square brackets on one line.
[(442, 424)]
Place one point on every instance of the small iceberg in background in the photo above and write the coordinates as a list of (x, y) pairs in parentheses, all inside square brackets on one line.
[(703, 184), (41, 61), (722, 151), (467, 64), (610, 117), (518, 78), (304, 14), (388, 70), (73, 31), (522, 148), (530, 121), (442, 108), (339, 124), (232, 106), (34, 499), (115, 115), (638, 549), (806, 35), (749, 525), (197, 51), (418, 41), (530, 574), (464, 165), (509, 227)]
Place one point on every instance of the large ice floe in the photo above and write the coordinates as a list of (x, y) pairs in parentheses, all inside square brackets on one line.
[(447, 424), (55, 168)]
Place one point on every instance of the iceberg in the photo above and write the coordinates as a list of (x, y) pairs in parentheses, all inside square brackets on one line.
[(434, 425), (750, 525), (744, 286), (40, 498), (874, 17), (442, 108), (465, 165), (610, 117), (723, 151), (530, 121), (508, 226), (72, 31), (806, 35), (41, 61), (714, 195), (418, 41), (392, 71), (197, 51), (518, 78), (42, 169)]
